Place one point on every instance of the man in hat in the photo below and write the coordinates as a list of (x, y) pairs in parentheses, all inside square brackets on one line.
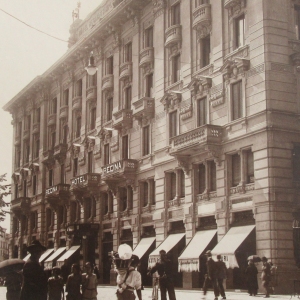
[(221, 275), (210, 276), (165, 272), (266, 276), (34, 278)]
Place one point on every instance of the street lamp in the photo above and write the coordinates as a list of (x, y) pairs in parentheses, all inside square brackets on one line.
[(91, 68)]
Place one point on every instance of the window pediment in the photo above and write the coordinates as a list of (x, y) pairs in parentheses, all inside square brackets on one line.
[(235, 68), (171, 100)]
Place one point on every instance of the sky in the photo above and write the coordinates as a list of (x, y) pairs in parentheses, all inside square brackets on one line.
[(26, 53)]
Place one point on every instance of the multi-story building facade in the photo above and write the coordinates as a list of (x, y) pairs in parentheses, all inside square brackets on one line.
[(187, 135), (4, 244)]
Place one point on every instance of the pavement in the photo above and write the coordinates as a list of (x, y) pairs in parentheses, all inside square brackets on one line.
[(108, 293)]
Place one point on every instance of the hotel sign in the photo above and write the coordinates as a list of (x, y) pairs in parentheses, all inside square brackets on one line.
[(78, 180), (51, 190), (112, 168)]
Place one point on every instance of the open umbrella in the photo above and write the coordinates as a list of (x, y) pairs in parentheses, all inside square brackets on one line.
[(255, 258), (11, 265)]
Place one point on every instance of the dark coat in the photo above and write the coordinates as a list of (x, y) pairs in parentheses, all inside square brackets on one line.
[(211, 268), (221, 270), (164, 270), (251, 277), (34, 282)]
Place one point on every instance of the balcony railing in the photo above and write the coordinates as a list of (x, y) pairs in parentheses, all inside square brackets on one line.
[(21, 203), (125, 70), (119, 169), (26, 134), (58, 191), (91, 93), (189, 142), (173, 35), (87, 180), (77, 103), (108, 82), (146, 56), (122, 119), (144, 107), (51, 119), (36, 128), (202, 16), (64, 112)]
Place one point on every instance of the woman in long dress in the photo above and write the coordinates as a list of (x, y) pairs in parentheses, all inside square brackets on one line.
[(73, 284), (251, 278)]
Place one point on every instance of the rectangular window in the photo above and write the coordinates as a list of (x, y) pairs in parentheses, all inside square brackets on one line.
[(149, 37), (78, 127), (24, 188), (145, 193), (92, 80), (65, 134), (146, 140), (18, 156), (176, 68), (173, 124), (239, 31), (93, 118), (52, 139), (62, 174), (213, 176), (149, 85), (175, 14), (34, 185), (37, 115), (128, 52), (236, 170), (110, 65), (205, 51), (53, 106), (50, 177), (28, 122), (250, 167), (125, 147), (153, 191), (106, 154), (202, 112), (237, 100), (127, 98), (75, 167), (65, 97), (19, 129), (202, 178), (182, 184), (78, 88), (90, 162), (36, 149), (26, 151), (172, 185), (109, 109)]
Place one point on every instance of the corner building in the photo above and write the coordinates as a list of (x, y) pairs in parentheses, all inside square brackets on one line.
[(186, 139)]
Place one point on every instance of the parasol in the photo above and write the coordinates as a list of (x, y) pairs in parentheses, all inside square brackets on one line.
[(255, 258), (11, 265)]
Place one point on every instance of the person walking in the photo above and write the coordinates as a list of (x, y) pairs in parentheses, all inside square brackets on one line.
[(165, 272), (221, 274), (56, 285), (210, 276), (266, 276), (89, 283), (273, 280), (251, 278), (34, 278), (73, 283)]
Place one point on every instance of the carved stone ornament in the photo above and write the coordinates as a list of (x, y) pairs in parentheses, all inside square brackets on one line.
[(184, 163), (114, 144), (171, 100), (200, 85), (215, 153), (105, 135), (16, 177), (235, 68), (75, 150), (132, 15), (234, 7), (89, 143), (81, 158), (34, 168), (186, 110), (158, 7)]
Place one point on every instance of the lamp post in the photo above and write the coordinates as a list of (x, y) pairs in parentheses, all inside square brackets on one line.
[(91, 68)]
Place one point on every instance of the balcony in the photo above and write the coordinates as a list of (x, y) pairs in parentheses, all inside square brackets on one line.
[(230, 3), (191, 142), (147, 57), (143, 108), (60, 152), (122, 119), (48, 157), (126, 71), (173, 36), (51, 119), (26, 134), (20, 205), (58, 193), (108, 82), (202, 19), (91, 93), (64, 112), (88, 182), (120, 170), (36, 128), (77, 103)]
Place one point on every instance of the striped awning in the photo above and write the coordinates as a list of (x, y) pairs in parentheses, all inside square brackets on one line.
[(143, 246)]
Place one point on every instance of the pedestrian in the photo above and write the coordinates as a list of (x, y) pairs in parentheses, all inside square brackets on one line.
[(96, 272), (165, 272), (13, 283), (73, 283), (221, 275), (251, 278), (128, 279), (266, 276), (34, 278), (56, 285), (65, 270), (210, 276), (89, 283), (273, 280)]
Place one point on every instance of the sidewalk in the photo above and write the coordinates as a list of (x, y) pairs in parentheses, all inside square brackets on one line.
[(108, 293)]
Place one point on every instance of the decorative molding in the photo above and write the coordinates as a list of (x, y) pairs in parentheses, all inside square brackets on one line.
[(235, 7), (186, 110), (171, 100), (158, 7)]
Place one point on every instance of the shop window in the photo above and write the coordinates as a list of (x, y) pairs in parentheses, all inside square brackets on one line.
[(146, 140), (202, 179), (296, 163), (78, 88), (148, 231), (237, 100), (177, 227), (173, 124), (149, 85), (106, 154), (239, 30), (175, 14), (75, 167), (205, 52), (109, 109), (127, 98), (202, 112), (125, 147), (241, 218), (236, 170), (149, 37), (250, 167), (176, 68), (65, 97), (128, 52), (206, 223), (109, 65), (90, 162)]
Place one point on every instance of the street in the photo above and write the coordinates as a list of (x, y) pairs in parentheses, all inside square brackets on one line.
[(107, 293)]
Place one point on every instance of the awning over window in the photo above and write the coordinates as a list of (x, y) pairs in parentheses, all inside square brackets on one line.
[(48, 264), (168, 244), (230, 242), (26, 257), (143, 246), (188, 261), (66, 255), (46, 254)]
